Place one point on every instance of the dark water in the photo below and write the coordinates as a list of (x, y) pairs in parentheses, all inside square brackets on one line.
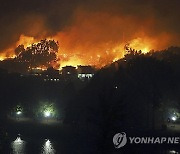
[(22, 145)]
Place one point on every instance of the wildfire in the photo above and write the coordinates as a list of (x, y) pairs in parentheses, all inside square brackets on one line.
[(110, 55), (145, 45), (70, 61), (3, 56), (26, 41), (98, 37), (111, 52)]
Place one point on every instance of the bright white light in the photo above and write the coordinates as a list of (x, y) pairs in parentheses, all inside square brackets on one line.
[(174, 118), (48, 143), (48, 148), (18, 112), (18, 140), (18, 146), (173, 152), (47, 113)]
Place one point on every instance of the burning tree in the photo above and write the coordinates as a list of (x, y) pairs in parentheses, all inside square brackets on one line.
[(41, 54), (129, 50)]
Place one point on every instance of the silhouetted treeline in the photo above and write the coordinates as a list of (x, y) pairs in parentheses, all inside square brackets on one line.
[(132, 94), (42, 54)]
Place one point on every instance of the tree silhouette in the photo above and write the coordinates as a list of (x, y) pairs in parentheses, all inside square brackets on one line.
[(19, 49), (43, 53)]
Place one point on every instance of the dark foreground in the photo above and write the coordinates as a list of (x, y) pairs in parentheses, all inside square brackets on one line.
[(38, 138)]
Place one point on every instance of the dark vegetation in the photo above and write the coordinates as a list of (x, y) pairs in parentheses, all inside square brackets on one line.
[(42, 54), (132, 94)]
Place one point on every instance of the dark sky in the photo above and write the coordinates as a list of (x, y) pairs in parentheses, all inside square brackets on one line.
[(74, 20)]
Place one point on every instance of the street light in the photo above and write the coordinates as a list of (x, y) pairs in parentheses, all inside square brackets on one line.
[(174, 118), (47, 110), (47, 113), (18, 112)]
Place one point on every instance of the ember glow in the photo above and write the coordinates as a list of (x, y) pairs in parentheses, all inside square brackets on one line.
[(26, 41), (106, 53), (4, 56), (140, 44), (95, 34)]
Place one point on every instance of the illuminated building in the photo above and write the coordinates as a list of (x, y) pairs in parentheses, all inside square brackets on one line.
[(69, 71), (51, 75), (85, 72)]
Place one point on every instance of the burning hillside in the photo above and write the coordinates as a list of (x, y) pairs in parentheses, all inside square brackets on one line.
[(104, 54), (89, 35)]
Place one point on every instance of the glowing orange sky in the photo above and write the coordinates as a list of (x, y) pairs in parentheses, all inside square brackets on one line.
[(98, 38)]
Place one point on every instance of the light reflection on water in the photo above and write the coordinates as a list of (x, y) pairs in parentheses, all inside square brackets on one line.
[(173, 152), (18, 146), (48, 148)]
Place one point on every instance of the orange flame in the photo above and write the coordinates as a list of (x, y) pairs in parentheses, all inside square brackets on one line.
[(144, 45), (27, 41), (98, 37), (112, 52)]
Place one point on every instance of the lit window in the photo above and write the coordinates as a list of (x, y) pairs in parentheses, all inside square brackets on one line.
[(116, 87), (89, 75), (79, 75)]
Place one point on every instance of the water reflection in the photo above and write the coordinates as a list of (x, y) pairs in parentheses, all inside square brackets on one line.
[(18, 146), (173, 152), (48, 147), (39, 145)]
